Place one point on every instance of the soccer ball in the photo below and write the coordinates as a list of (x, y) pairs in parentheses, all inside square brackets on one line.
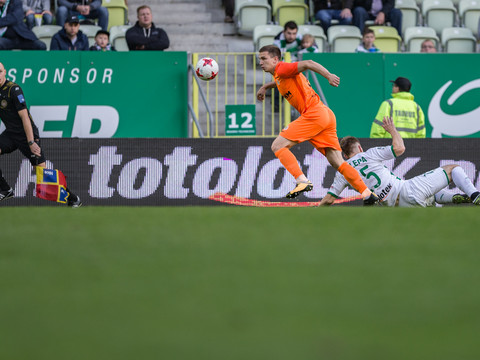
[(206, 69)]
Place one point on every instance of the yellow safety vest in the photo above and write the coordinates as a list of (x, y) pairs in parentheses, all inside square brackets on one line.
[(406, 114)]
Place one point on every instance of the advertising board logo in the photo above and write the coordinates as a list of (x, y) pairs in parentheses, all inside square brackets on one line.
[(453, 125)]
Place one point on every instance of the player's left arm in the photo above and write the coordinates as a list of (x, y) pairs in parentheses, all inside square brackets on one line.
[(263, 89), (27, 127), (333, 79)]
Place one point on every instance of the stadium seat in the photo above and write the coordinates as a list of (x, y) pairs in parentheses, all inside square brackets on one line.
[(410, 12), (264, 35), (317, 32), (387, 38), (117, 12), (469, 11), (90, 31), (414, 36), (250, 13), (344, 38), (46, 32), (438, 14), (290, 10), (117, 37), (458, 40)]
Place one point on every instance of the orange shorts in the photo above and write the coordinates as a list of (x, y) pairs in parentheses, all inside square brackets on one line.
[(318, 126)]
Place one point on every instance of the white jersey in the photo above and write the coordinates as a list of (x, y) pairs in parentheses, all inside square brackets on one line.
[(374, 173)]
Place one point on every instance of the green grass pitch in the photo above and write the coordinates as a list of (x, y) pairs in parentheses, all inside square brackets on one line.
[(235, 283)]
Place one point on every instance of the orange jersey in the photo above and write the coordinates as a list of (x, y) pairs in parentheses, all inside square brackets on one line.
[(295, 87)]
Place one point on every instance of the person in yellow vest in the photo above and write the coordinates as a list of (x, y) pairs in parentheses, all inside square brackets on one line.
[(407, 115)]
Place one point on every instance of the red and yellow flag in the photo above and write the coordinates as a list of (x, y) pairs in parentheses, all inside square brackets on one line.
[(51, 185)]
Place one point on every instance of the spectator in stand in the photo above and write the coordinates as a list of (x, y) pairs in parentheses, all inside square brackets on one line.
[(326, 11), (406, 114), (37, 11), (70, 37), (289, 40), (144, 35), (382, 11), (308, 45), (367, 45), (102, 42), (84, 9), (428, 46), (14, 33)]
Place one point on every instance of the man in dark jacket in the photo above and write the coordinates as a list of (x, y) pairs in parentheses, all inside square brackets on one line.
[(144, 35), (70, 37), (14, 34), (88, 9), (381, 11), (326, 11)]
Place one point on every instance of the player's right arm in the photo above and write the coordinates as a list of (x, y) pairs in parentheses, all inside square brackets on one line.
[(327, 200), (338, 185), (263, 89), (397, 141), (303, 65)]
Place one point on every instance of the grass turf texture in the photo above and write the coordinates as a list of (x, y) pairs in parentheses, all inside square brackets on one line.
[(239, 283)]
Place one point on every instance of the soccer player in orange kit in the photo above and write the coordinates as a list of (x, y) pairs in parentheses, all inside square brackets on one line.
[(316, 123)]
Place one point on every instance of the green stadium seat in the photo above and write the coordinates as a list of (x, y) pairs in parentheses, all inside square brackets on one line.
[(117, 12), (290, 10), (250, 13), (410, 13), (317, 32), (117, 37), (469, 11), (344, 38), (458, 40), (414, 36), (439, 14), (264, 35), (386, 38), (90, 31), (46, 32)]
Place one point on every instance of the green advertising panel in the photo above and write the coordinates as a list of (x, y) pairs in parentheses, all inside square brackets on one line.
[(240, 120), (103, 95), (446, 86)]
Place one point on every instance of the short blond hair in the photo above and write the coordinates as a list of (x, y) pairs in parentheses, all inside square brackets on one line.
[(140, 8)]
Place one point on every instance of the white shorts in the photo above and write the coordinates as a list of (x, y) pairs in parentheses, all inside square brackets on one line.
[(420, 190)]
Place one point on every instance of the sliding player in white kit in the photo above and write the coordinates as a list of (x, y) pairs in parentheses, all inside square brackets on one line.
[(422, 190)]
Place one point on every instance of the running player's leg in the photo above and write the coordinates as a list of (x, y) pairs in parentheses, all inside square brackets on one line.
[(460, 178), (281, 148), (298, 131)]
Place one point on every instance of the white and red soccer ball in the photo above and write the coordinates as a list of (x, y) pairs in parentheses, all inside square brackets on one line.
[(206, 69)]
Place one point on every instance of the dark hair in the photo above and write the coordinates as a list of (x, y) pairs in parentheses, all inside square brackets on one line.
[(290, 25), (272, 50), (347, 144), (100, 32), (367, 30)]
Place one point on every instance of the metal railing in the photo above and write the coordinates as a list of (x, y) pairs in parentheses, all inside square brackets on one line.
[(237, 83)]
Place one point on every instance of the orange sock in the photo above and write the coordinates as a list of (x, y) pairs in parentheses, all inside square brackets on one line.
[(289, 161), (353, 177)]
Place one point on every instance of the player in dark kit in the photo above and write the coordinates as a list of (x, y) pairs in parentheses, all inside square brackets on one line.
[(21, 133)]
